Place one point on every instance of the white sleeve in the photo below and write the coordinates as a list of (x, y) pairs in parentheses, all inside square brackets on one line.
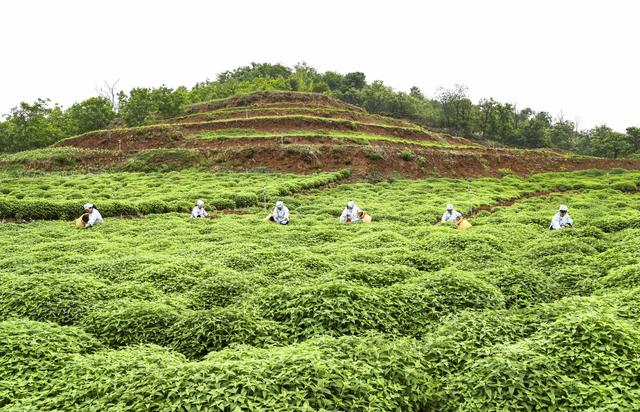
[(93, 218), (204, 213), (444, 217), (286, 213), (343, 216), (569, 220), (194, 212), (555, 222)]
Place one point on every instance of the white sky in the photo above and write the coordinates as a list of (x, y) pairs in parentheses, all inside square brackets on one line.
[(580, 58)]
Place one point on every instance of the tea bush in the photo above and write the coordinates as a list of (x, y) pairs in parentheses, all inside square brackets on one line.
[(63, 299), (129, 322), (400, 314), (32, 352), (334, 308), (131, 193), (521, 286)]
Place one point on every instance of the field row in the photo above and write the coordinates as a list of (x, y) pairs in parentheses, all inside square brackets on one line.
[(60, 196)]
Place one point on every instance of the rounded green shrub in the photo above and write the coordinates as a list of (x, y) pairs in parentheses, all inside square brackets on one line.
[(521, 286), (622, 277), (419, 302), (129, 322), (200, 332), (379, 275), (223, 288), (59, 298), (32, 352), (333, 308)]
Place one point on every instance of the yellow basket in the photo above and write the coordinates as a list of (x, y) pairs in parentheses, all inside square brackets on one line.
[(82, 220), (464, 224)]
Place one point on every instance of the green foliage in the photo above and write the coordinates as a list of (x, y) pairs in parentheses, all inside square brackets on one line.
[(573, 364), (400, 314), (94, 113), (56, 298), (30, 126), (161, 160), (142, 105), (406, 155), (521, 286), (332, 374), (32, 352), (128, 322), (136, 193), (335, 308)]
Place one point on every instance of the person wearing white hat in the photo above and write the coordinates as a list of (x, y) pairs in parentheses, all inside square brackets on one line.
[(280, 214), (198, 210), (451, 215), (561, 219), (350, 213), (94, 217)]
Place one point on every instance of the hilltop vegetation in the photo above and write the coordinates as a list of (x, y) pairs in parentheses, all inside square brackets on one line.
[(39, 124)]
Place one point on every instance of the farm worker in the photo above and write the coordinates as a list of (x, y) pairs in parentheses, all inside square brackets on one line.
[(451, 215), (198, 210), (364, 216), (561, 219), (280, 214), (94, 216), (350, 213)]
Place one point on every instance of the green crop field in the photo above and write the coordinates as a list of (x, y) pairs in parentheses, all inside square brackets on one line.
[(156, 311), (62, 195)]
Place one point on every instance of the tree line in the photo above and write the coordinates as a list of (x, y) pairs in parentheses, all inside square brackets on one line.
[(41, 123)]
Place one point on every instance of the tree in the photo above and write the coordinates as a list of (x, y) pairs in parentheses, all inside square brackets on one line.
[(256, 71), (109, 92), (603, 141), (416, 92), (135, 107), (143, 105), (333, 80), (534, 133), (487, 117), (505, 128), (562, 134), (354, 80), (457, 108), (92, 114), (30, 126), (633, 138), (167, 103), (306, 79)]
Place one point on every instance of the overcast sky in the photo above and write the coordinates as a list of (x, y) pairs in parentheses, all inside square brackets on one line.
[(579, 58)]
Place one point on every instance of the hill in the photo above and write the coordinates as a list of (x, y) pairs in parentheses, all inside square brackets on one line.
[(153, 310), (301, 133)]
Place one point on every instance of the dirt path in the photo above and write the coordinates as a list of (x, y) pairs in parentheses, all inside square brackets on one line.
[(512, 201)]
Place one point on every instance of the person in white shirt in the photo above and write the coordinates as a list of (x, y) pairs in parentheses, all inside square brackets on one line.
[(451, 215), (198, 210), (350, 213), (94, 217), (561, 219), (280, 213)]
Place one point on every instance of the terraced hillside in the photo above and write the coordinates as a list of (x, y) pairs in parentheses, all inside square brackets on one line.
[(153, 310), (303, 132)]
